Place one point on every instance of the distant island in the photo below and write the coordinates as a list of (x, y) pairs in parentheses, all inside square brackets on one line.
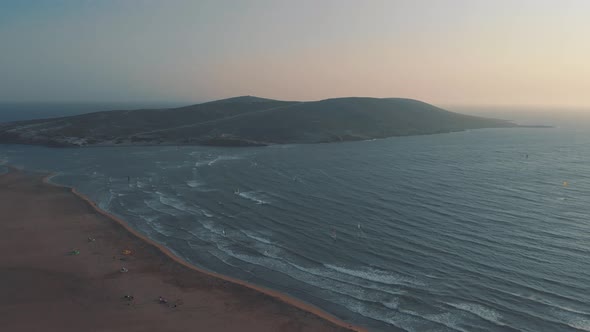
[(247, 121)]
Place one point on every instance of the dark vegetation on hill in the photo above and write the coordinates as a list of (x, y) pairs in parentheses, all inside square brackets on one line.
[(248, 121)]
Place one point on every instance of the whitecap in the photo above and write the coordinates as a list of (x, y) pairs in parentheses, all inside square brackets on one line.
[(206, 214), (572, 317), (257, 237), (481, 311), (140, 184), (253, 196), (177, 204), (160, 228), (403, 321), (579, 323), (213, 228), (447, 319), (376, 275), (392, 304), (153, 204), (193, 183)]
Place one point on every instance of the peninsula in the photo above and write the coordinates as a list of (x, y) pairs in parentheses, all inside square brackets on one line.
[(247, 121)]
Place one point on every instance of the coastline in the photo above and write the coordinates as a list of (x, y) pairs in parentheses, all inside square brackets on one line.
[(246, 143), (275, 295)]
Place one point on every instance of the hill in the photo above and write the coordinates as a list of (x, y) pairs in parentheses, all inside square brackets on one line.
[(247, 121)]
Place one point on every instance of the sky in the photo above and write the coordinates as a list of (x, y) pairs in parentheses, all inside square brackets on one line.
[(521, 53)]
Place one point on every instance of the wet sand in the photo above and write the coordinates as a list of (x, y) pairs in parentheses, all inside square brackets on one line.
[(44, 288)]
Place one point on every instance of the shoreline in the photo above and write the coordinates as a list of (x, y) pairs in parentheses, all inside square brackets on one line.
[(287, 299), (256, 144)]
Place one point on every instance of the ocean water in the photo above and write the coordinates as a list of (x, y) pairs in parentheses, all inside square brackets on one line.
[(452, 232)]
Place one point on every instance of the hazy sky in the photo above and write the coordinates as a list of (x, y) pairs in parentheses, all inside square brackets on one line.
[(478, 52)]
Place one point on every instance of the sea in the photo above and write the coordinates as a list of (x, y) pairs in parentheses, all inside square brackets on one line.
[(481, 230)]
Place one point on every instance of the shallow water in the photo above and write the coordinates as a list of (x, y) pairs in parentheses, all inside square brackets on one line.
[(454, 232)]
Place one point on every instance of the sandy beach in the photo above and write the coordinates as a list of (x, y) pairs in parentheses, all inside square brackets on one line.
[(65, 267)]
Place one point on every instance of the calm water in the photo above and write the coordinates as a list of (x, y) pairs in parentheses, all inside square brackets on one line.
[(455, 232)]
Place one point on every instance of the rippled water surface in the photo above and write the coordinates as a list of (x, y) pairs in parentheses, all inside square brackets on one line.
[(484, 230)]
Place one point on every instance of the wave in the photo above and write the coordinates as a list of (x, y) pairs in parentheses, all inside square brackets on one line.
[(537, 299), (253, 196), (381, 276), (571, 317), (152, 223), (481, 311), (447, 319), (374, 303), (193, 183), (213, 228), (212, 162), (206, 213), (409, 323), (141, 184), (276, 253), (223, 158), (580, 324), (116, 194), (105, 204), (153, 204), (160, 228), (392, 304), (217, 255), (178, 204), (201, 163), (257, 237), (303, 274)]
